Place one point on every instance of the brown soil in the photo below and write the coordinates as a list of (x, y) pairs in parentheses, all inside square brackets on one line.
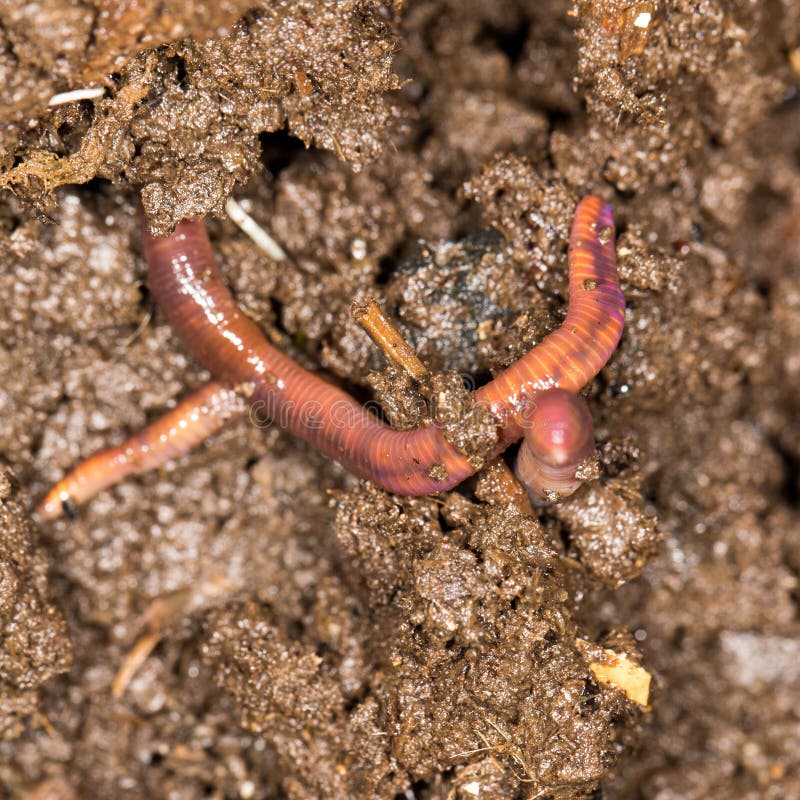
[(317, 637)]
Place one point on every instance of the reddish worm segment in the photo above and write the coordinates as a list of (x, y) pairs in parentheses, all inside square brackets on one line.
[(194, 419), (189, 287)]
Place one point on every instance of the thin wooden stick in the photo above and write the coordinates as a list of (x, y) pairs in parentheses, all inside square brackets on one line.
[(381, 330)]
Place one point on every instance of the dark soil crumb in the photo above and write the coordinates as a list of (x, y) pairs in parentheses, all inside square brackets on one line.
[(467, 426), (370, 646), (54, 49), (321, 69), (444, 289), (534, 215), (481, 626), (607, 529), (33, 634)]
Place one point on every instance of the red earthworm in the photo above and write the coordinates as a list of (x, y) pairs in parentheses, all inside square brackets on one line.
[(188, 286), (557, 440), (194, 419)]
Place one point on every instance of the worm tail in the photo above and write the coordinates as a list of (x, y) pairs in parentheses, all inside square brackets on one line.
[(193, 420)]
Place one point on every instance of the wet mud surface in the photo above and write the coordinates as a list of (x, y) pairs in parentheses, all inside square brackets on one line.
[(289, 631)]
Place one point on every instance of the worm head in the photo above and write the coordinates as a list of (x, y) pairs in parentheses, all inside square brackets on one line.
[(558, 438)]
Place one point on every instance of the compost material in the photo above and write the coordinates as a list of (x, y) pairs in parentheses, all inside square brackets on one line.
[(251, 621)]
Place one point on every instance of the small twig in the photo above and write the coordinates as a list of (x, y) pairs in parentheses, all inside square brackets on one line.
[(252, 229), (133, 661), (159, 615), (143, 323), (382, 331), (75, 95)]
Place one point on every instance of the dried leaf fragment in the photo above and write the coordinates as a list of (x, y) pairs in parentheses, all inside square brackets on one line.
[(619, 671)]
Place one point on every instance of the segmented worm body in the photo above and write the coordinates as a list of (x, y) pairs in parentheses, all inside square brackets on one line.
[(189, 287), (194, 419)]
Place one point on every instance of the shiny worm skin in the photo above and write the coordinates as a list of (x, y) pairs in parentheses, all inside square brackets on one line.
[(194, 419), (187, 284), (556, 442)]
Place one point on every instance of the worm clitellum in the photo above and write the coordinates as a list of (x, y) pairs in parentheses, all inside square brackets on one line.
[(188, 286)]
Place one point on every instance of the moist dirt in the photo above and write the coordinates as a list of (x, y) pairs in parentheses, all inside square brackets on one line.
[(306, 635)]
